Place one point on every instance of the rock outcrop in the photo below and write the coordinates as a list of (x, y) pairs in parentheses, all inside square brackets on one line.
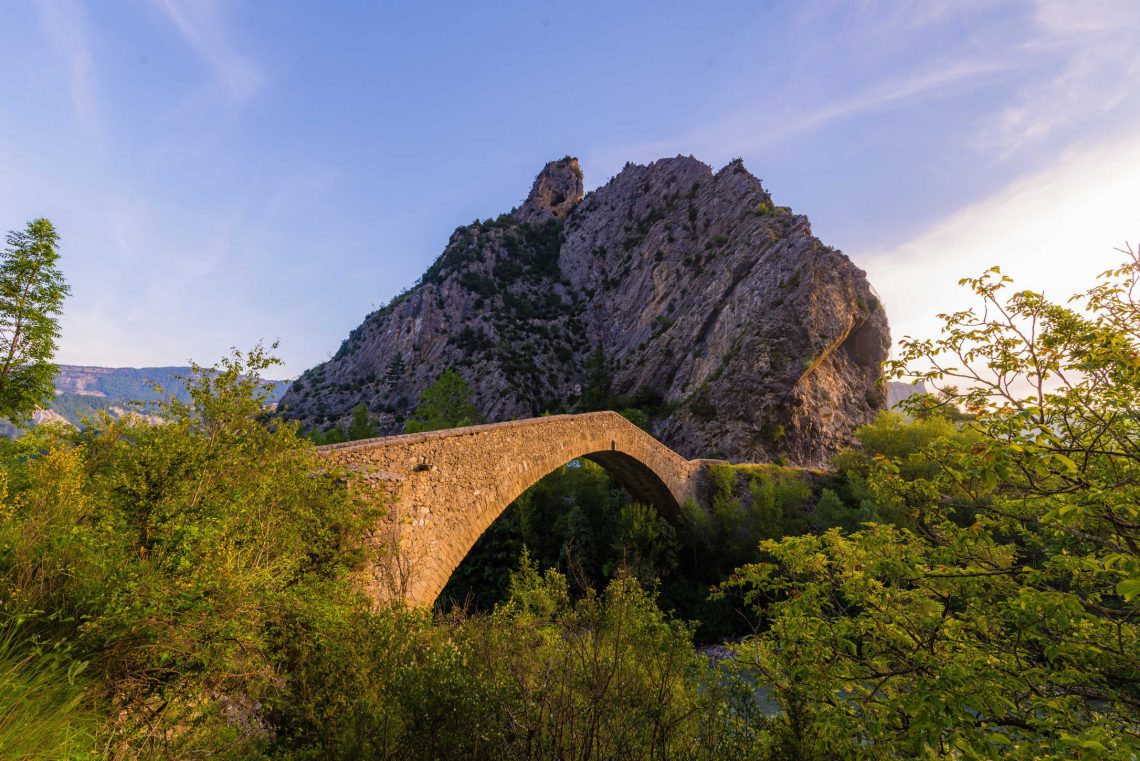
[(556, 190), (717, 313)]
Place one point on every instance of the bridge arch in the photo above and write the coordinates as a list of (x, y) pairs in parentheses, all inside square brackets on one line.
[(448, 486)]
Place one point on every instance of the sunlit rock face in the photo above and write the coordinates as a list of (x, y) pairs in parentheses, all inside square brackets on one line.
[(556, 191), (718, 313)]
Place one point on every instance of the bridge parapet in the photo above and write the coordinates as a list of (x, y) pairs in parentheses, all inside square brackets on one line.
[(448, 486)]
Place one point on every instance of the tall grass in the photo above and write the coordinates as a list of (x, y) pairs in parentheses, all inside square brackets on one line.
[(42, 710)]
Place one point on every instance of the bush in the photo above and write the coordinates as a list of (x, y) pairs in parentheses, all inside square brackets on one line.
[(163, 553), (606, 676)]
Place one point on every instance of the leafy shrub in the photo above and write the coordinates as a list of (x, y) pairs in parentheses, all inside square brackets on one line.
[(998, 615), (772, 432), (163, 552)]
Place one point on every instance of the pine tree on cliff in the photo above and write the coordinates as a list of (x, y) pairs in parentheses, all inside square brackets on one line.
[(444, 404), (598, 394)]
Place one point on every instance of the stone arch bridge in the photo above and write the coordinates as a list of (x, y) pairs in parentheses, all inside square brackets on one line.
[(448, 486)]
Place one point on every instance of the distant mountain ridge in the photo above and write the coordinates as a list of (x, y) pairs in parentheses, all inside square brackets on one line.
[(83, 391), (898, 391), (121, 383)]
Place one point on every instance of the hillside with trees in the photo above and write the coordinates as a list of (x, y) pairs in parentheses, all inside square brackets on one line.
[(82, 394)]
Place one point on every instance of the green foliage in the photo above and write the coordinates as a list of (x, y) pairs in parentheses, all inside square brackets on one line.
[(637, 417), (444, 404), (748, 504), (43, 711), (647, 543), (907, 442), (772, 432), (998, 616), (394, 373), (164, 553), (482, 579), (362, 426), (598, 393), (965, 585), (612, 677), (831, 511), (568, 520), (385, 684), (32, 290), (545, 676), (767, 506), (911, 443), (334, 435), (579, 521), (202, 568)]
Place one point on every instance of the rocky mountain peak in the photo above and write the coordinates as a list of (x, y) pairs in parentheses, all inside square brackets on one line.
[(722, 319), (556, 190)]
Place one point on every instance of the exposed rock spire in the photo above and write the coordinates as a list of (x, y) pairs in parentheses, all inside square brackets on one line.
[(556, 190)]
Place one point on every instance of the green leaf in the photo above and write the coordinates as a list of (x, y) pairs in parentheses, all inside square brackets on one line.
[(1129, 589), (1067, 462)]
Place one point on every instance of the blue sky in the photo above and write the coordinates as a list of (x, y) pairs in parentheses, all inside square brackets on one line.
[(228, 172)]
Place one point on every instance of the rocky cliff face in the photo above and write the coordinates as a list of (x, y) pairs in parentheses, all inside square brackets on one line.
[(718, 313)]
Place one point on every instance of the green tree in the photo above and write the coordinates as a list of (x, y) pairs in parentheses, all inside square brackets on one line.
[(598, 393), (362, 426), (32, 291), (395, 372), (444, 404), (1003, 617), (646, 544)]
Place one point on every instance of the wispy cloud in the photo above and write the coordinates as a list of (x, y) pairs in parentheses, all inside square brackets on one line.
[(1062, 64), (1089, 48), (889, 23), (65, 26), (739, 133), (874, 98), (201, 24)]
